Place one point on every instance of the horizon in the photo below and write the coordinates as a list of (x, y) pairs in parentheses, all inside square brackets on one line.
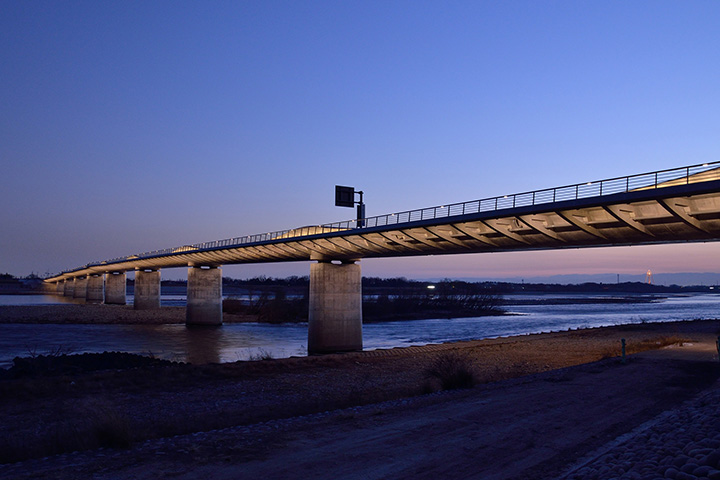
[(683, 279)]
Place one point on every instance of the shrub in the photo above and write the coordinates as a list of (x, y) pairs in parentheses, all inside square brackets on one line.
[(452, 370)]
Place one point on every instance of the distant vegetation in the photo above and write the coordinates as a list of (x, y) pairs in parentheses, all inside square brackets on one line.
[(10, 284), (279, 300), (286, 300)]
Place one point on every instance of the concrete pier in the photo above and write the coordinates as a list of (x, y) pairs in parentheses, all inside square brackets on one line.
[(95, 288), (147, 289), (115, 288), (60, 288), (335, 315), (80, 288), (204, 296), (68, 291)]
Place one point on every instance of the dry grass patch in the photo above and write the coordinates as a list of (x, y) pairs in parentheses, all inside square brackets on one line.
[(451, 370)]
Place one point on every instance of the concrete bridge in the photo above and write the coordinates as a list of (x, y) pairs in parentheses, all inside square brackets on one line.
[(677, 205)]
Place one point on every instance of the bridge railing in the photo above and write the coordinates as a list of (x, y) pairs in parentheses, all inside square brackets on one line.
[(660, 179)]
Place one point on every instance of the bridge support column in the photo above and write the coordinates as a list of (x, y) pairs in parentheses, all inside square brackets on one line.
[(95, 288), (204, 296), (60, 287), (115, 288), (335, 316), (80, 289), (68, 291), (147, 289)]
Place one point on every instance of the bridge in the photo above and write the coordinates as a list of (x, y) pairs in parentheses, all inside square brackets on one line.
[(676, 205)]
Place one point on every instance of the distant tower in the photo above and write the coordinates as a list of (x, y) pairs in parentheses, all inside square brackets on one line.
[(648, 278)]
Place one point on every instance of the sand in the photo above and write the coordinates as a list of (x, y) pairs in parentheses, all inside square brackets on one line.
[(545, 406)]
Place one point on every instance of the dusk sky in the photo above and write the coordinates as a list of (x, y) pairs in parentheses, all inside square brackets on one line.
[(129, 126)]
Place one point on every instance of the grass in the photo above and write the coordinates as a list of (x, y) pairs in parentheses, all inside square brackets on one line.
[(262, 354)]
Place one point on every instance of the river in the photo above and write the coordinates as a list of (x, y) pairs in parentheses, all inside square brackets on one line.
[(234, 342)]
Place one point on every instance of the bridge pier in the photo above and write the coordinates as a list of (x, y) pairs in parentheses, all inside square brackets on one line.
[(95, 288), (115, 288), (68, 291), (335, 315), (80, 288), (204, 296), (60, 288), (147, 289)]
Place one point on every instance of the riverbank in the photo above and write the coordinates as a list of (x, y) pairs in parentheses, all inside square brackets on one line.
[(269, 413)]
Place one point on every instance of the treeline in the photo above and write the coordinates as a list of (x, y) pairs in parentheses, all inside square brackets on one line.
[(376, 285), (10, 284), (280, 309), (371, 285), (275, 300), (593, 287)]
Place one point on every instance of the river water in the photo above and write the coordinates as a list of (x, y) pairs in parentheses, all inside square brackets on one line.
[(234, 342)]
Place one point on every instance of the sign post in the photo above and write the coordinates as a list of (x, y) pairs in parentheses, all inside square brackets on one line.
[(345, 197)]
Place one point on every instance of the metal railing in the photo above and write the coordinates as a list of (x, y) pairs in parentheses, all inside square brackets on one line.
[(664, 178)]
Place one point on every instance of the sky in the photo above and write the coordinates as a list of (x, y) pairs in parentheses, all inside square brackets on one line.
[(127, 127)]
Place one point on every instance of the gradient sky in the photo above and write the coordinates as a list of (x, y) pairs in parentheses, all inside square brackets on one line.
[(130, 126)]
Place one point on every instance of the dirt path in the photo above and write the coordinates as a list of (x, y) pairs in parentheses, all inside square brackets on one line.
[(528, 427)]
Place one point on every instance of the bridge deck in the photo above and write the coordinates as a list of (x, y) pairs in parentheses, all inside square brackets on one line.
[(679, 205)]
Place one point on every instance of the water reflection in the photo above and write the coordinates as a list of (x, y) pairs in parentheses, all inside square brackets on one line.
[(203, 344)]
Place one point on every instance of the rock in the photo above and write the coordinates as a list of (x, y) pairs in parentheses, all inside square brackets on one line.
[(713, 475), (702, 471), (711, 458), (680, 460)]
